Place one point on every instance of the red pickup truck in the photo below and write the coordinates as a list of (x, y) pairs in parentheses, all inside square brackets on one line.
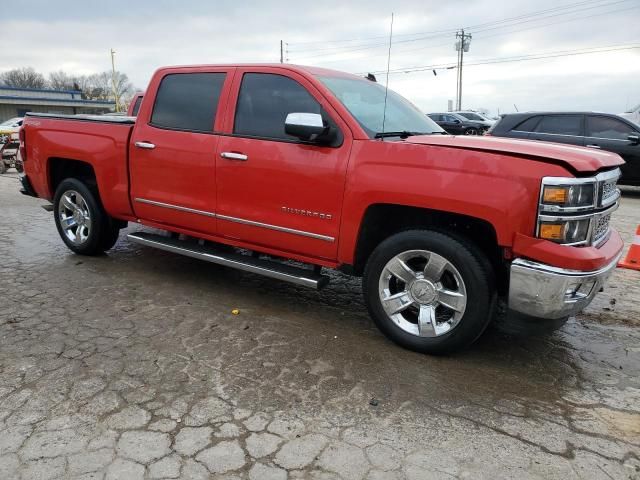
[(325, 170)]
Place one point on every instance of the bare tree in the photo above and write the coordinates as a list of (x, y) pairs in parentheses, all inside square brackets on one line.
[(61, 80), (100, 87), (25, 77)]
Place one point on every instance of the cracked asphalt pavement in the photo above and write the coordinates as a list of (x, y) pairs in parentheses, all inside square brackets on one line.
[(131, 365)]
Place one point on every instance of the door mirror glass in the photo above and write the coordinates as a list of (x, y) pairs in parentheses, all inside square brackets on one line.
[(634, 139), (305, 126)]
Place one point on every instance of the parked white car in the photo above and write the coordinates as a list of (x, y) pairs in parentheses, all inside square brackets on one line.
[(8, 127), (9, 131), (632, 114)]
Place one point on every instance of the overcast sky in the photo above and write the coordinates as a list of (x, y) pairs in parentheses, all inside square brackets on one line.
[(77, 36)]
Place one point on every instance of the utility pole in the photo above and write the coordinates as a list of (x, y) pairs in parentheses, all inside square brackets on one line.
[(281, 51), (462, 45), (113, 79)]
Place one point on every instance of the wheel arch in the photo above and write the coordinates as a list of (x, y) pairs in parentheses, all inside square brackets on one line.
[(382, 220), (59, 168)]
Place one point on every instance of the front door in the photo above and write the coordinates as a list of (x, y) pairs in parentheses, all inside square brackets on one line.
[(612, 134), (172, 150), (274, 190)]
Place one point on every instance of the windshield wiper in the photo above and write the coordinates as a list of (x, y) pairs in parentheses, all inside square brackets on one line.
[(402, 134)]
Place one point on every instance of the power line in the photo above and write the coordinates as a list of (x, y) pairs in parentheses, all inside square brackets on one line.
[(518, 58), (438, 33), (486, 36)]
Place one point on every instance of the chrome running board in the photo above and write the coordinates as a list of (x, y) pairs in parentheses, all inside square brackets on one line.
[(271, 269)]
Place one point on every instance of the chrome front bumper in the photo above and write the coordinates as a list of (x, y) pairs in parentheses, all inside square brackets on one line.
[(543, 291)]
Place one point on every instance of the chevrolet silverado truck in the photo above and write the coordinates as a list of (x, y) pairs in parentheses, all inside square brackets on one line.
[(288, 170)]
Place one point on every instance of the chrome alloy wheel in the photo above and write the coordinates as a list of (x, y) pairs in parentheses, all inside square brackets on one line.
[(74, 216), (422, 293)]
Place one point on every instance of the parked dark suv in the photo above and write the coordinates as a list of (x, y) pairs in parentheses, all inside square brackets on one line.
[(589, 129), (456, 124)]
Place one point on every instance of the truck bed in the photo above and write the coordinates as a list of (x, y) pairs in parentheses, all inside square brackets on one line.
[(101, 141), (86, 118)]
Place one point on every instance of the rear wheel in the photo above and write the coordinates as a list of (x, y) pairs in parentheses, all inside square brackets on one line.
[(429, 291), (81, 221), (3, 167), (19, 167)]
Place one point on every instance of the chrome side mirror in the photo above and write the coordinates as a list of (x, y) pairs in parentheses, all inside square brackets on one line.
[(305, 126)]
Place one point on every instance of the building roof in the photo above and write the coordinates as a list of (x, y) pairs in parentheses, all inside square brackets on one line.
[(20, 89)]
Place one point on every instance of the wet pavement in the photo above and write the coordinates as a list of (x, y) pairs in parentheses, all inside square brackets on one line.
[(131, 365)]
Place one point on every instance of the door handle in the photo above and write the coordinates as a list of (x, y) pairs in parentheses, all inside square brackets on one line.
[(594, 146), (145, 145), (234, 156)]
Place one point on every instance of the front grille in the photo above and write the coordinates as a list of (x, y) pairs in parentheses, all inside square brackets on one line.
[(601, 227), (609, 189)]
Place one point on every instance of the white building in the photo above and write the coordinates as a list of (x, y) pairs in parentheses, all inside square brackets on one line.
[(15, 102)]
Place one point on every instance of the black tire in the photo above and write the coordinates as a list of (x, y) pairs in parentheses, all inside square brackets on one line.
[(472, 266), (471, 131), (3, 167), (19, 167), (103, 231)]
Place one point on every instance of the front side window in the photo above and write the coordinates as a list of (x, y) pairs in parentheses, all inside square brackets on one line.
[(365, 100), (264, 102), (188, 101), (561, 125), (606, 127)]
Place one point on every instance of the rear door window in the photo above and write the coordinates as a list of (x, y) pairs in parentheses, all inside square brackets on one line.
[(528, 125), (607, 127), (561, 125), (188, 101)]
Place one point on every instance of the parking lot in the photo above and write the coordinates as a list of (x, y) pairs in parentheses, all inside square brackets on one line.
[(132, 365)]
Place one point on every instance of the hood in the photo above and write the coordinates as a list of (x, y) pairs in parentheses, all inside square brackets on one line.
[(580, 159)]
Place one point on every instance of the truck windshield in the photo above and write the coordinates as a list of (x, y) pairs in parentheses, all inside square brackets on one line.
[(365, 101)]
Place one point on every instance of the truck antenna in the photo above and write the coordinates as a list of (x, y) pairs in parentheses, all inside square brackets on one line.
[(386, 88)]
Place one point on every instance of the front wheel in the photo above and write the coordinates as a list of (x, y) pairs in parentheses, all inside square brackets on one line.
[(429, 291), (81, 221), (471, 131)]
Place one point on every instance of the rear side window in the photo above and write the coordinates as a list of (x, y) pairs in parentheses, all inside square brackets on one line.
[(528, 125), (561, 125), (264, 102), (188, 101), (607, 127), (136, 106)]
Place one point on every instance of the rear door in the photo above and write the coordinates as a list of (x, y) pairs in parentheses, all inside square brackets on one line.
[(172, 149), (563, 128), (274, 190), (611, 134)]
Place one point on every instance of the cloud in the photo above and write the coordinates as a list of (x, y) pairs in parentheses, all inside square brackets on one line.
[(146, 35)]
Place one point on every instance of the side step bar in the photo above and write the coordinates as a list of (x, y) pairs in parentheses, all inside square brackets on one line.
[(288, 273)]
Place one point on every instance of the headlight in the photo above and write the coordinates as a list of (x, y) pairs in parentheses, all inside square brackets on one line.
[(566, 232), (568, 196), (576, 211)]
